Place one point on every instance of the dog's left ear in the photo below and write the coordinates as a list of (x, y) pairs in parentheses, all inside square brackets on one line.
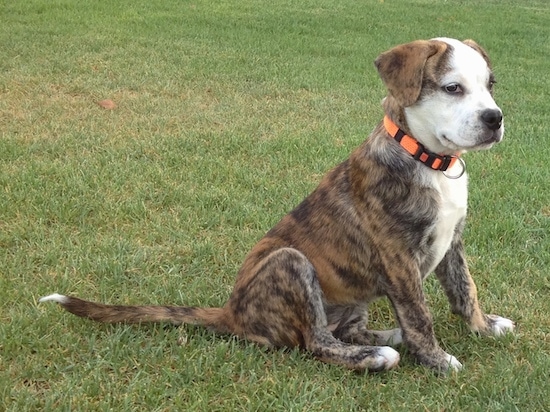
[(402, 68), (479, 49)]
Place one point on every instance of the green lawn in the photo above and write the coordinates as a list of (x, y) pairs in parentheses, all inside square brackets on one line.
[(228, 113)]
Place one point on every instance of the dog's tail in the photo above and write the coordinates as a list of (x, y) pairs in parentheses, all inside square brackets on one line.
[(177, 315)]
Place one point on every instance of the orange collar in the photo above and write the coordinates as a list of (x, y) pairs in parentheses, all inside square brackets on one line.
[(417, 150)]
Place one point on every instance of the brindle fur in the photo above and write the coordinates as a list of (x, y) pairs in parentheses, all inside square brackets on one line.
[(365, 232)]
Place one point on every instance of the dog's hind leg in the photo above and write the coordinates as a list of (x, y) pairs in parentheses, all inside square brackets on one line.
[(327, 348), (358, 334), (282, 305), (348, 323)]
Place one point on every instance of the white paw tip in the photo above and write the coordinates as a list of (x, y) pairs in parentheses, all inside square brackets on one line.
[(502, 326), (453, 362), (56, 297), (390, 356)]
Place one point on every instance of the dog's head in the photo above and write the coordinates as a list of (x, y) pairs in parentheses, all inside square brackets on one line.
[(441, 90)]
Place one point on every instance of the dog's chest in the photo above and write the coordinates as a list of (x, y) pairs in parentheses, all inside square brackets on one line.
[(452, 209)]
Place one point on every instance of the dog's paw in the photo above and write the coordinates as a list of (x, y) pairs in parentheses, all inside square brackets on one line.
[(499, 326), (386, 358), (441, 362), (453, 364)]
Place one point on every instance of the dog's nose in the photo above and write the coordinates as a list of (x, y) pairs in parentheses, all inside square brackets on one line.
[(492, 118)]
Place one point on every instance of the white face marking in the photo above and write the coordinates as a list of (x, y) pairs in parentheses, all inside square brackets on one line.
[(449, 120)]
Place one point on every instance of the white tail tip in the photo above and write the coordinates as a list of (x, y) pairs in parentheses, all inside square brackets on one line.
[(56, 297)]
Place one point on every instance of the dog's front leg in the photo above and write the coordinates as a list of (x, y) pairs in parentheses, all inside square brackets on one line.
[(461, 291), (405, 293)]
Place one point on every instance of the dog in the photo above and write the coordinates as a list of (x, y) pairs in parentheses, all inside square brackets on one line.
[(376, 226)]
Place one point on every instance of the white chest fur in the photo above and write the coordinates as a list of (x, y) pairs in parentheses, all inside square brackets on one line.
[(453, 206)]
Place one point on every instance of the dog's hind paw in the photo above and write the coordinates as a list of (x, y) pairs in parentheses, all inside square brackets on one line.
[(387, 358), (392, 337), (499, 326)]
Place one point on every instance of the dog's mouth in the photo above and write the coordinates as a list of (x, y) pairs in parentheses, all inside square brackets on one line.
[(486, 142), (448, 143), (495, 136)]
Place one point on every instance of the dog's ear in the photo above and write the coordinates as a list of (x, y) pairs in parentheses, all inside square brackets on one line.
[(479, 49), (402, 68)]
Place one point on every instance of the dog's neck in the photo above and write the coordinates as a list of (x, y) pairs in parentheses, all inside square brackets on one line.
[(417, 150)]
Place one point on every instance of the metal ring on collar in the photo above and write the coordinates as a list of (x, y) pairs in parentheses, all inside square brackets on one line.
[(458, 176)]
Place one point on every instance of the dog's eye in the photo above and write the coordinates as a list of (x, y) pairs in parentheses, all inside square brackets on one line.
[(453, 88)]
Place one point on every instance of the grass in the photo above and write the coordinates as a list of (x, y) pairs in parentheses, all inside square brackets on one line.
[(228, 113)]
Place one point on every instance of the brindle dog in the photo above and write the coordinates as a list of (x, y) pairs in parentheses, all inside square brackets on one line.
[(376, 226)]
